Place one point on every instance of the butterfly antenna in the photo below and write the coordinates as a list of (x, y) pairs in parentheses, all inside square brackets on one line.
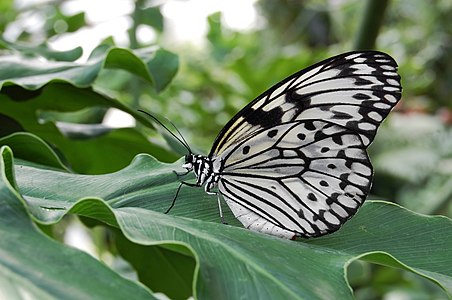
[(186, 144), (182, 141)]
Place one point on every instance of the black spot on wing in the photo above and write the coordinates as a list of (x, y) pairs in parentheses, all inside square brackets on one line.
[(362, 81), (344, 181), (309, 125), (338, 115), (320, 215), (320, 135), (265, 119), (348, 163), (246, 149), (272, 133), (312, 197), (302, 100), (346, 70), (324, 149), (337, 139), (301, 213), (323, 183), (301, 136), (361, 96)]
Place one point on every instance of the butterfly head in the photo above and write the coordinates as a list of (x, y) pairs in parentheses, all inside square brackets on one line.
[(194, 162), (189, 159)]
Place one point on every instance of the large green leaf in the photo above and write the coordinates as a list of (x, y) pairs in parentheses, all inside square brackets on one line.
[(33, 73), (106, 152), (32, 266), (233, 262), (30, 147), (176, 266), (43, 50)]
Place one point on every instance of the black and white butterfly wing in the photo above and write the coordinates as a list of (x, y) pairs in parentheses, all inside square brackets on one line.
[(294, 161), (355, 89)]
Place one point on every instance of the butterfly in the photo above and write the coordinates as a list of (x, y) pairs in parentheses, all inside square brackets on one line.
[(293, 162)]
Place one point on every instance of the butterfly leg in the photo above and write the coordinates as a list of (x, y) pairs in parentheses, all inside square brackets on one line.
[(177, 193), (181, 174), (219, 206)]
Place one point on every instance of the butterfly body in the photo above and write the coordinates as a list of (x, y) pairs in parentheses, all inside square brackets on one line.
[(203, 168), (293, 162)]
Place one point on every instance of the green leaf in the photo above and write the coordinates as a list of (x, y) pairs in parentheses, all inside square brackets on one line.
[(151, 16), (57, 22), (32, 265), (176, 268), (8, 13), (389, 235), (75, 22), (30, 147), (233, 262), (163, 68), (43, 50), (32, 73), (105, 153)]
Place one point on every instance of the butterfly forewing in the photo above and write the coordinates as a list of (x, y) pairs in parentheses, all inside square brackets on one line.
[(355, 90)]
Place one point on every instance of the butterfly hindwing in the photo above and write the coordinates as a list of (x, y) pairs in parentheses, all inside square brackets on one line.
[(306, 177)]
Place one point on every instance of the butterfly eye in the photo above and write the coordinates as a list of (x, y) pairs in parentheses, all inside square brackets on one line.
[(188, 166), (188, 162)]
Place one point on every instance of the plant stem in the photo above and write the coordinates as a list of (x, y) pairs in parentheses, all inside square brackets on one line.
[(370, 24), (135, 85)]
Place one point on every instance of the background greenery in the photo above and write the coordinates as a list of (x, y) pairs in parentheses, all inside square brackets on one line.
[(62, 168)]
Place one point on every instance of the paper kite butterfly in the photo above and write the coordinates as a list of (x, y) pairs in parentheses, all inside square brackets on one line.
[(293, 162)]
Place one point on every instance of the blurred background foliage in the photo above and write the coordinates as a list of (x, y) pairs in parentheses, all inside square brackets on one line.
[(412, 153)]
